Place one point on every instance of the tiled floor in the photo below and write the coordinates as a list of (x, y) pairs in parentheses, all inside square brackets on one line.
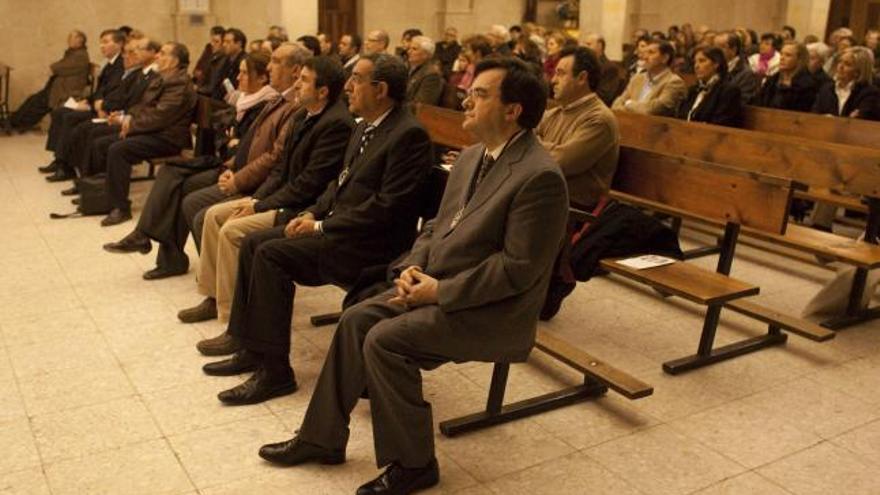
[(102, 390)]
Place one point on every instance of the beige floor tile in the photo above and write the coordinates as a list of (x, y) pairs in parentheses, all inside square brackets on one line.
[(74, 351), (11, 403), (814, 407), (7, 374), (66, 389), (144, 468), (299, 480), (195, 406), (823, 469), (744, 484), (30, 481), (475, 490), (750, 435), (178, 366), (92, 429), (678, 396), (494, 452), (574, 474), (149, 341), (591, 423), (19, 305), (42, 328), (662, 461), (19, 447), (863, 441), (214, 457), (859, 378)]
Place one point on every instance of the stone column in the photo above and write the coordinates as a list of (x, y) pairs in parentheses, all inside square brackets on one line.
[(808, 16), (610, 19)]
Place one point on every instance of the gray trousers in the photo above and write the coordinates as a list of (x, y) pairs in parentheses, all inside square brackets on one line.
[(381, 347)]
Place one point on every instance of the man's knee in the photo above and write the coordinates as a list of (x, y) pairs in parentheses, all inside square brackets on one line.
[(232, 232), (384, 335)]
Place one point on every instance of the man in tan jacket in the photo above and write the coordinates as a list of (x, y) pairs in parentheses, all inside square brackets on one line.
[(581, 133), (656, 91)]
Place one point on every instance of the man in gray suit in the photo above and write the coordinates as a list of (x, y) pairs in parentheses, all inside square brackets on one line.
[(470, 289)]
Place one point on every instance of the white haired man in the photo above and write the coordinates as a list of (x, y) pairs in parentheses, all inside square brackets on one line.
[(425, 83)]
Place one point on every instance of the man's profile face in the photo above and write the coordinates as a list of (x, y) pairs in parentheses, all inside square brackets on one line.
[(230, 46), (483, 109), (360, 87), (345, 48), (109, 47), (564, 82), (166, 59), (306, 92)]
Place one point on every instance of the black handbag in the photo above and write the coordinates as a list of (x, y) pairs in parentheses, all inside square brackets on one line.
[(93, 199)]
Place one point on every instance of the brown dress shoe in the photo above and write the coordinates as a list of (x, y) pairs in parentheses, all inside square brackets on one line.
[(204, 311), (220, 345)]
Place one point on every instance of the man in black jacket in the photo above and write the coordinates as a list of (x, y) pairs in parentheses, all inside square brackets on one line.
[(234, 41), (366, 217), (64, 119), (738, 71)]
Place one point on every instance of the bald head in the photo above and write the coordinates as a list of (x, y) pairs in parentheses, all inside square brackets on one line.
[(377, 42)]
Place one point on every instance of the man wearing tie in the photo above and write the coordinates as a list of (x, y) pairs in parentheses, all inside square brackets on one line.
[(365, 217), (470, 289)]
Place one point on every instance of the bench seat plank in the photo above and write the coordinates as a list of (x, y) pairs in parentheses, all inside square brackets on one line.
[(858, 253), (827, 196), (617, 380), (804, 328), (691, 282)]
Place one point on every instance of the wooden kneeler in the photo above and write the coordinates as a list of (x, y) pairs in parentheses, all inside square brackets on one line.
[(598, 378)]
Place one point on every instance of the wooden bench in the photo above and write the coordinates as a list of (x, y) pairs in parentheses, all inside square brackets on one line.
[(444, 127), (722, 197), (846, 168), (854, 132)]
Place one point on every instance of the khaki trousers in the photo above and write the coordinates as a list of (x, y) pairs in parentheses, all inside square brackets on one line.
[(221, 240)]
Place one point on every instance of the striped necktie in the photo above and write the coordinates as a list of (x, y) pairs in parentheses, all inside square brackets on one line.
[(366, 137)]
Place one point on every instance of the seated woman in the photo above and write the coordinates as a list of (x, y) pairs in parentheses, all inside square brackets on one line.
[(713, 99), (473, 49), (765, 63), (793, 87), (852, 93)]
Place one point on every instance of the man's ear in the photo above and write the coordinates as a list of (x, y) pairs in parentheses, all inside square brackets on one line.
[(381, 89), (513, 111)]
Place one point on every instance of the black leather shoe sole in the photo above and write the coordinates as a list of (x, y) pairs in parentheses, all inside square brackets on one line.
[(73, 191), (121, 247), (48, 169), (160, 273), (111, 219), (233, 399), (229, 367), (218, 350), (59, 177), (277, 454)]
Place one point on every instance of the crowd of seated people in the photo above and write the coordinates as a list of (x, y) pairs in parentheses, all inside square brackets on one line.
[(319, 171)]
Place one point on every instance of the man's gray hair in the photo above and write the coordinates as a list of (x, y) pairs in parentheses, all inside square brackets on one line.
[(425, 43), (297, 55)]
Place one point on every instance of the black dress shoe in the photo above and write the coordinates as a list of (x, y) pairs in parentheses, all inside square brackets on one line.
[(132, 243), (70, 191), (220, 345), (242, 361), (260, 387), (398, 480), (49, 169), (60, 175), (166, 271), (74, 201), (296, 451), (115, 217)]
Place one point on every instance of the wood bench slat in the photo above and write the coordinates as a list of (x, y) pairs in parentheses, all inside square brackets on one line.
[(804, 328), (617, 380), (850, 251), (826, 196), (688, 281)]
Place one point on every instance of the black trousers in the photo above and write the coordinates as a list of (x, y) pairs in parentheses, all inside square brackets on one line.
[(34, 108), (381, 347), (268, 266), (122, 154), (84, 154), (164, 218), (61, 127)]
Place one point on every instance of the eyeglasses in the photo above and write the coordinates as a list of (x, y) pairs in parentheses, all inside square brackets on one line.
[(359, 79), (477, 93)]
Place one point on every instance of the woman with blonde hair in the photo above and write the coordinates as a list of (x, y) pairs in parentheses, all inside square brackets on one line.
[(852, 93), (793, 87)]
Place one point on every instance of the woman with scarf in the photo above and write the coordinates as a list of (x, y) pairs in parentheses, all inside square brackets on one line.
[(163, 218), (765, 63), (713, 99), (793, 87)]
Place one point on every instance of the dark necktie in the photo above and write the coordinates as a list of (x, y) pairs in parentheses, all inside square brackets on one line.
[(485, 165), (366, 137)]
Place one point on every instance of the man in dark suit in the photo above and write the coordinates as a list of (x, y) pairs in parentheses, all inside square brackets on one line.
[(366, 217), (425, 82), (470, 289), (64, 119), (738, 71), (349, 51), (157, 126), (234, 41), (611, 79)]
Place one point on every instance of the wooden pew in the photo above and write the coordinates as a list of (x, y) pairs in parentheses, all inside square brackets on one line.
[(850, 169), (444, 127), (854, 132)]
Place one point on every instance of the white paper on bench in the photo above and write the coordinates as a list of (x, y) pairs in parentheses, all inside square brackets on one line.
[(646, 261)]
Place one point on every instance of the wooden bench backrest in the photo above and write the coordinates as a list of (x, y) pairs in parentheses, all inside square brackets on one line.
[(707, 191), (855, 132), (814, 163), (444, 126)]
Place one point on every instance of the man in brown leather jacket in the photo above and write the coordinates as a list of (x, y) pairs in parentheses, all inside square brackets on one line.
[(157, 126)]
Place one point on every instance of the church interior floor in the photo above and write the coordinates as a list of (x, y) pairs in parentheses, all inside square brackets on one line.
[(102, 390)]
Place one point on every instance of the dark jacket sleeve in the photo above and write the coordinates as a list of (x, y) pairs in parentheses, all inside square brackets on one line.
[(868, 104), (430, 89), (324, 163), (826, 101), (73, 63), (175, 98), (408, 161), (728, 108)]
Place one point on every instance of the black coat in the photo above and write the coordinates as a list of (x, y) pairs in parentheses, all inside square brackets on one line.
[(864, 97), (373, 213), (109, 79), (229, 70), (312, 158), (721, 106), (128, 92), (798, 97)]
